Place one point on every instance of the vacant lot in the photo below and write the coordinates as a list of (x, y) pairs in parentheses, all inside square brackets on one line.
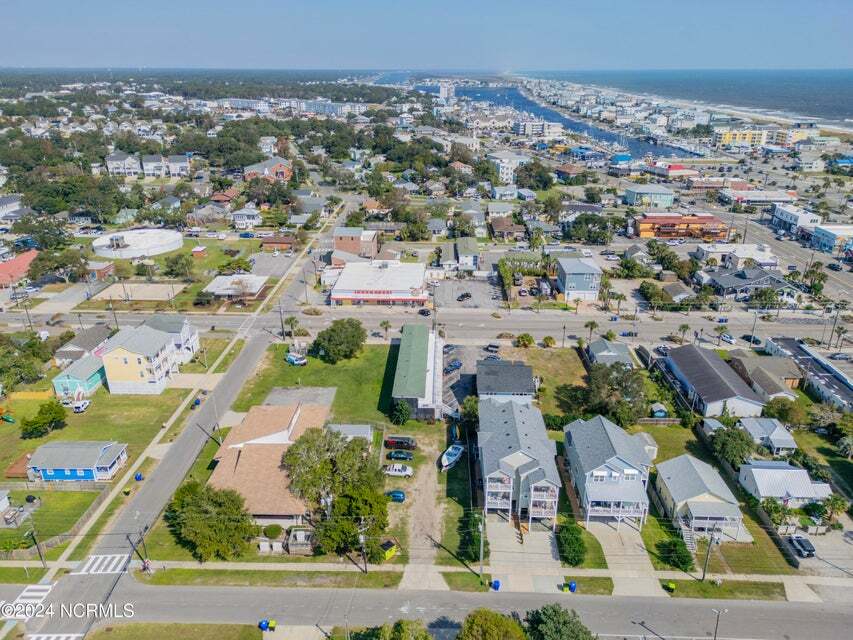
[(555, 368), (58, 512), (131, 419), (290, 579), (158, 631), (141, 291), (363, 383)]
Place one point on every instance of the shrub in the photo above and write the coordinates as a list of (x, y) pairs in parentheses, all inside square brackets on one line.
[(570, 545), (675, 553), (554, 422), (273, 531), (548, 342), (524, 340), (401, 412)]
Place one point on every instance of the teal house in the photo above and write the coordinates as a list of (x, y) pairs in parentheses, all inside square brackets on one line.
[(81, 379)]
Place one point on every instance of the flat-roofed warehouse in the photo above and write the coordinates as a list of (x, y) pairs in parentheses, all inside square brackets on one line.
[(381, 282), (418, 376)]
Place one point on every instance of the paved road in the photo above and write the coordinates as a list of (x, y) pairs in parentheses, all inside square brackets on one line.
[(663, 617)]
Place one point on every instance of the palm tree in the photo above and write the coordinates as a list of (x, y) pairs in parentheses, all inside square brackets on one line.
[(840, 331), (619, 298), (834, 504), (683, 329), (577, 302), (592, 325), (385, 325), (720, 329), (292, 323), (845, 446)]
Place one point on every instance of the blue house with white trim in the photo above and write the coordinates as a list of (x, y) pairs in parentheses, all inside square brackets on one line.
[(66, 461), (81, 379)]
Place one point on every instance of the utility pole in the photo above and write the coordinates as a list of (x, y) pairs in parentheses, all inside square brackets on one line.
[(754, 322), (38, 547), (281, 321), (834, 322), (712, 540), (719, 612), (80, 320), (113, 309), (482, 535), (564, 346), (142, 540)]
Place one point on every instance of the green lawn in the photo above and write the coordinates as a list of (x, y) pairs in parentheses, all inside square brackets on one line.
[(592, 585), (209, 350), (466, 581), (555, 367), (827, 453), (230, 356), (674, 440), (363, 383), (656, 530), (728, 590), (124, 418), (172, 631), (455, 495), (58, 512), (20, 575), (290, 579)]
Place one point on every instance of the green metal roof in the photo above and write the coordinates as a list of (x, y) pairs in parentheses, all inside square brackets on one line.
[(410, 376)]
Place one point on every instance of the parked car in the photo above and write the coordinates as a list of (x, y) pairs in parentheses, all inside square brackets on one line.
[(841, 356), (401, 442), (751, 339), (81, 406), (425, 313), (522, 292), (455, 364), (493, 357), (834, 266), (802, 545), (792, 267), (399, 454), (492, 347), (727, 337), (247, 234), (448, 348), (396, 495), (296, 360), (462, 297), (398, 470), (662, 349)]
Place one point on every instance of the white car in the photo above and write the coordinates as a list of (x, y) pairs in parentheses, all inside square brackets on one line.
[(398, 470), (81, 406), (612, 258), (275, 253), (727, 337)]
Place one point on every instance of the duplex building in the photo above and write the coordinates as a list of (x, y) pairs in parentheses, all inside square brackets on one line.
[(418, 378), (154, 166), (609, 469), (139, 360), (517, 464), (120, 163)]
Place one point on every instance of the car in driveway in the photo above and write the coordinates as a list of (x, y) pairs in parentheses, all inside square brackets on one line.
[(802, 545), (81, 406), (462, 297), (399, 454), (296, 360), (729, 338), (662, 349), (453, 365), (396, 495), (448, 348), (398, 470)]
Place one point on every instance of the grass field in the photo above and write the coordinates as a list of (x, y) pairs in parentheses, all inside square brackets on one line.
[(728, 590), (58, 512), (290, 579), (363, 383), (592, 585), (555, 367), (209, 350), (455, 495), (466, 581), (229, 357), (172, 631), (656, 530), (124, 418), (827, 453), (674, 440), (20, 575)]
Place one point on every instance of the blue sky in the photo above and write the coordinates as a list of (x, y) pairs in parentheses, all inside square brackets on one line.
[(495, 35)]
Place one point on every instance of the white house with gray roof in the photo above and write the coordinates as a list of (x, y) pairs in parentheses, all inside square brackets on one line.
[(578, 279), (517, 461), (777, 479), (609, 469), (609, 352), (769, 433), (698, 501)]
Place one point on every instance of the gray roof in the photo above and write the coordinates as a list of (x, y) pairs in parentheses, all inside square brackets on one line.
[(76, 455), (266, 164), (508, 429), (687, 477), (350, 431), (467, 247), (83, 368), (597, 440), (748, 277), (142, 340), (649, 188), (608, 352), (676, 289), (167, 323), (770, 429), (437, 225), (578, 265), (87, 339), (152, 158), (354, 232), (709, 374), (504, 377)]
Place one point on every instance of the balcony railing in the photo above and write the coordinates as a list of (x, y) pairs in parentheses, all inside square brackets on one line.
[(616, 510), (498, 504), (544, 494)]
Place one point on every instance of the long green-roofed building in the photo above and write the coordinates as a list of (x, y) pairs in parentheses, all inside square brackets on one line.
[(418, 377)]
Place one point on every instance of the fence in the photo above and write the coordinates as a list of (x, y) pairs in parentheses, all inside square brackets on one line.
[(41, 485)]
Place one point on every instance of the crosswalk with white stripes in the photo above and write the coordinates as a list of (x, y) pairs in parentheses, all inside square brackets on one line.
[(32, 596), (98, 565), (55, 636)]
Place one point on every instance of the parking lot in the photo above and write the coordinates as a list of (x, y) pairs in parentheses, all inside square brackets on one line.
[(833, 552), (484, 295), (461, 383)]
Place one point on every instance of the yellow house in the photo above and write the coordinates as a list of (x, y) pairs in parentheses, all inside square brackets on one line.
[(139, 360)]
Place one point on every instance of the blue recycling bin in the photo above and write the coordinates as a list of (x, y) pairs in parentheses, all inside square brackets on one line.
[(138, 477), (264, 625), (573, 586), (496, 585)]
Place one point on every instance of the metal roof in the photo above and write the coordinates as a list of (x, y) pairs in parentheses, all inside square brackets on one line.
[(598, 440), (686, 477), (142, 340), (709, 375), (778, 479), (410, 374), (76, 455)]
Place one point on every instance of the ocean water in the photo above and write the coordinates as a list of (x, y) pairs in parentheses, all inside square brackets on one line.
[(825, 94)]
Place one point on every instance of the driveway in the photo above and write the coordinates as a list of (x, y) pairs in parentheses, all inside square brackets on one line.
[(833, 552), (626, 555), (64, 301)]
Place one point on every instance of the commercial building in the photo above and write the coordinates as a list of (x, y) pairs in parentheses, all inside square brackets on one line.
[(709, 385), (648, 195), (15, 270), (736, 256), (789, 217), (517, 461), (832, 238), (418, 377), (757, 197), (240, 286), (356, 241), (821, 376), (506, 163), (578, 279), (381, 282), (745, 137), (676, 225)]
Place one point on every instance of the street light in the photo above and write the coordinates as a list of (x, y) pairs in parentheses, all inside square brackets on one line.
[(719, 612)]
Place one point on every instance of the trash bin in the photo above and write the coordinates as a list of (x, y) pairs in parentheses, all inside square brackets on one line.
[(264, 625), (573, 586), (272, 625), (496, 585), (139, 477), (564, 587)]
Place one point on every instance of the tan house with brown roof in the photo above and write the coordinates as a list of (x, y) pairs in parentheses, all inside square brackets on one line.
[(249, 460)]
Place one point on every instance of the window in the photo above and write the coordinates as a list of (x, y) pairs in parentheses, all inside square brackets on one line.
[(631, 474), (139, 361), (124, 360), (599, 476)]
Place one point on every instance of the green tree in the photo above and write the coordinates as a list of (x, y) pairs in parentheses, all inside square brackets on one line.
[(360, 510), (49, 417), (321, 465), (682, 331), (292, 323), (785, 410), (548, 342), (553, 622), (401, 412), (404, 630), (834, 504), (483, 624), (340, 341), (235, 265), (469, 412), (845, 446), (732, 445), (211, 523), (571, 545), (720, 329), (592, 325), (524, 340), (179, 265), (674, 552), (385, 325)]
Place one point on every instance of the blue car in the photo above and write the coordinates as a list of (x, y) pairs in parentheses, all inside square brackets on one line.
[(396, 495), (247, 234)]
